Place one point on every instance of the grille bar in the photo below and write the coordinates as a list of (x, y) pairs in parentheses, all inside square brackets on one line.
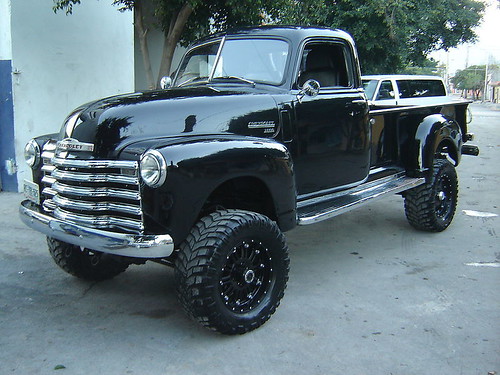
[(49, 180), (49, 191), (101, 222), (94, 177), (48, 168), (96, 206), (73, 163), (95, 192)]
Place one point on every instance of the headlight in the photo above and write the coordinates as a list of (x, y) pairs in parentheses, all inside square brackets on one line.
[(153, 168), (32, 153)]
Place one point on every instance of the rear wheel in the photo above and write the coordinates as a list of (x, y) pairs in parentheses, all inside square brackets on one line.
[(84, 263), (431, 206), (232, 270)]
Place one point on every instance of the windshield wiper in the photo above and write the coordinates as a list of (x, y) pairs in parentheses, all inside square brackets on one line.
[(191, 80), (236, 77)]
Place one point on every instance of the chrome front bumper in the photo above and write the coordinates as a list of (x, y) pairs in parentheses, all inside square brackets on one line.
[(131, 245)]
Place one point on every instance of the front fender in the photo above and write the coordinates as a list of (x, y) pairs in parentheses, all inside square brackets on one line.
[(197, 166), (435, 134)]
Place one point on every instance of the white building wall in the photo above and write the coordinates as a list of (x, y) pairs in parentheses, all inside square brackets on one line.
[(5, 42), (60, 62)]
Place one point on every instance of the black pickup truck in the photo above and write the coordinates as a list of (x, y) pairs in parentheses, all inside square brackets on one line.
[(260, 130)]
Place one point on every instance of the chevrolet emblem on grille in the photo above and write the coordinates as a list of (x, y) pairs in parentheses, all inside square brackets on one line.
[(71, 144)]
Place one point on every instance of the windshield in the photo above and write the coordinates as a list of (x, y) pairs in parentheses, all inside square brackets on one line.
[(197, 64), (369, 87), (241, 60)]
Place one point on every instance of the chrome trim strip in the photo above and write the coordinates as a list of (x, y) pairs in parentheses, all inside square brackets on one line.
[(375, 171), (91, 177), (48, 180), (98, 221), (50, 145), (312, 198), (137, 246), (303, 200), (96, 206), (96, 192), (74, 163), (47, 154), (49, 205), (48, 168), (353, 198), (217, 57), (49, 191)]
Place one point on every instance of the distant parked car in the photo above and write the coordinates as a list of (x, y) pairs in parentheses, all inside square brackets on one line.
[(390, 90)]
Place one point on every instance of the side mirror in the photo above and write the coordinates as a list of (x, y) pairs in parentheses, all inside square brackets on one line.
[(165, 82), (309, 88)]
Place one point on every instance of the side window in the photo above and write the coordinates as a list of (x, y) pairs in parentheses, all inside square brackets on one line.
[(420, 88), (386, 91), (325, 63), (404, 89)]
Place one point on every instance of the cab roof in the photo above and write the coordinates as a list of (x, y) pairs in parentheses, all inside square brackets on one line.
[(400, 76), (293, 33)]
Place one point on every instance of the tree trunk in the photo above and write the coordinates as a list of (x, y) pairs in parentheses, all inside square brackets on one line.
[(172, 37), (143, 42)]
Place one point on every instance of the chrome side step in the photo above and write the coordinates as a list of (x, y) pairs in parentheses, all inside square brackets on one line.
[(322, 208)]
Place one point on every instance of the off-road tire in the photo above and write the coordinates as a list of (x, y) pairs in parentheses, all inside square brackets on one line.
[(84, 263), (430, 207), (231, 271)]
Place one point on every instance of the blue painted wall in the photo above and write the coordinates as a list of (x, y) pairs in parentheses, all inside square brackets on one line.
[(7, 150)]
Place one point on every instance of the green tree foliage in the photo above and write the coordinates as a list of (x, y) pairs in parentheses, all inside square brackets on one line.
[(472, 79), (427, 67), (391, 34)]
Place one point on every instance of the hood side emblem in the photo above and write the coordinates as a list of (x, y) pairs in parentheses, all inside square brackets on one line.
[(269, 127), (261, 124)]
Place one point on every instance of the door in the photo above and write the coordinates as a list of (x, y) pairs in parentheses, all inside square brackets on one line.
[(386, 95), (331, 144)]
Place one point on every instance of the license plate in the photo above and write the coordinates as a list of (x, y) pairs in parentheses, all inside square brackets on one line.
[(32, 191)]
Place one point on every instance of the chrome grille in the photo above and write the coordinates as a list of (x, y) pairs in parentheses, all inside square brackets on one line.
[(103, 194)]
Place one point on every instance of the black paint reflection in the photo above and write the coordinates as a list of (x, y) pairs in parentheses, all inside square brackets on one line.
[(189, 123), (110, 133)]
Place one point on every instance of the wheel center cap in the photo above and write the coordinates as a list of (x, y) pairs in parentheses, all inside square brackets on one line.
[(441, 196), (249, 276)]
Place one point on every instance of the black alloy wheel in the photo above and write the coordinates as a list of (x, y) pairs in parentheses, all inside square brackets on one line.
[(232, 270), (431, 206), (245, 276), (444, 197)]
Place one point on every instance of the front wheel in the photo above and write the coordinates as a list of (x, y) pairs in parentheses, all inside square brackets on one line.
[(431, 206), (84, 263), (232, 270)]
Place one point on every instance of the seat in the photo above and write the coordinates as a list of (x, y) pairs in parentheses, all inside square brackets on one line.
[(320, 67)]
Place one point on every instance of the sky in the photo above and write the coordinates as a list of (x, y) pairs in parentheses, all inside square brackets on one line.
[(486, 47)]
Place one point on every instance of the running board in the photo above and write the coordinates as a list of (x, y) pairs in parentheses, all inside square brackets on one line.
[(325, 207)]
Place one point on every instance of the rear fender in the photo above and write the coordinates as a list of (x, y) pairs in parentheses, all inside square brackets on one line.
[(436, 134)]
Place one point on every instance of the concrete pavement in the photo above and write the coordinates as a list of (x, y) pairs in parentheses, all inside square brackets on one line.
[(367, 295)]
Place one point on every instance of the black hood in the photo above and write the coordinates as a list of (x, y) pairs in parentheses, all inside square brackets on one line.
[(113, 123)]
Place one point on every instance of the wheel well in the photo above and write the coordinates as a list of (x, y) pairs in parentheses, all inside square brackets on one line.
[(446, 147), (244, 193)]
